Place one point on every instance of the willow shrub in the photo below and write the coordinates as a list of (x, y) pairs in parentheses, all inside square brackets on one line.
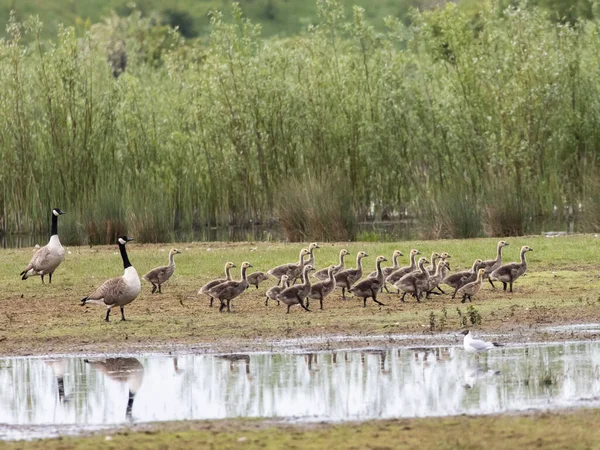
[(209, 132)]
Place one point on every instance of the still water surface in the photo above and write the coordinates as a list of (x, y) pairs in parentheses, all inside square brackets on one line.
[(42, 397)]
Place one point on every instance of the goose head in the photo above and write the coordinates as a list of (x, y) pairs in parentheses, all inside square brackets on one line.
[(423, 261), (361, 255), (477, 262), (435, 255), (308, 268), (229, 265), (246, 265), (124, 239), (526, 248), (304, 252), (57, 212), (414, 252), (330, 268), (397, 253), (480, 272), (502, 244), (174, 251), (312, 246), (445, 255), (344, 252), (284, 279), (380, 259)]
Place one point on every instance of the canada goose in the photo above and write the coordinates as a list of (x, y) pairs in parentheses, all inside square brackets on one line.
[(323, 274), (161, 274), (346, 278), (492, 264), (459, 279), (322, 289), (435, 279), (433, 266), (508, 273), (289, 269), (254, 279), (275, 290), (393, 277), (295, 295), (476, 345), (59, 367), (48, 258), (369, 287), (443, 257), (388, 270), (118, 291), (414, 282), (229, 290), (211, 284), (122, 370), (311, 252), (472, 288)]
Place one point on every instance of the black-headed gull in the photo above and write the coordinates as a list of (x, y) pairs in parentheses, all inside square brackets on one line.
[(476, 345)]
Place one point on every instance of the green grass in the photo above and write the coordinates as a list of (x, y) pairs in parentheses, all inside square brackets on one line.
[(560, 287), (573, 430)]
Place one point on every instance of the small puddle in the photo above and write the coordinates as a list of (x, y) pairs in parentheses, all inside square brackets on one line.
[(48, 397)]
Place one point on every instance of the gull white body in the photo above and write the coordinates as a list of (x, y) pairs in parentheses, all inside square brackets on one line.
[(477, 345)]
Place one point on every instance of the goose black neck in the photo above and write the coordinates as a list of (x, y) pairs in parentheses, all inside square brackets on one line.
[(123, 251), (54, 225), (244, 273)]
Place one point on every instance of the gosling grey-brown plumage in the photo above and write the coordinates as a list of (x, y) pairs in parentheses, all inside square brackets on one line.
[(322, 289), (295, 295), (323, 274), (229, 290), (275, 290), (289, 269), (255, 278), (49, 257), (395, 276), (509, 273), (414, 282), (346, 278), (161, 274), (459, 279), (119, 291), (204, 290), (435, 279), (492, 264), (472, 288), (388, 270), (369, 287)]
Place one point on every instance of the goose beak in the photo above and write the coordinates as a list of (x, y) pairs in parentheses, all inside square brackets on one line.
[(129, 239), (60, 211)]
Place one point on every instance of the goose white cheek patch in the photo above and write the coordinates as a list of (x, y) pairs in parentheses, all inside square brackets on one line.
[(121, 241)]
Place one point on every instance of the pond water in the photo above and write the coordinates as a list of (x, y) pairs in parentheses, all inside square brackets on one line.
[(46, 397)]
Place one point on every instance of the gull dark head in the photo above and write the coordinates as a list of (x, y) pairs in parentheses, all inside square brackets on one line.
[(465, 332)]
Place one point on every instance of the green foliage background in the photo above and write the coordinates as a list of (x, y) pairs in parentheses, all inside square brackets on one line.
[(489, 111)]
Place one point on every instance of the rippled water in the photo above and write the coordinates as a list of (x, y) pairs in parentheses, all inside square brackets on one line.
[(42, 397)]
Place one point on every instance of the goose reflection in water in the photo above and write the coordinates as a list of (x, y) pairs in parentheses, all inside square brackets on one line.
[(123, 370), (238, 357), (382, 357), (59, 367)]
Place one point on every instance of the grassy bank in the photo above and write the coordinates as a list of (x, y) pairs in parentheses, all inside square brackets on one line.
[(573, 430), (561, 286)]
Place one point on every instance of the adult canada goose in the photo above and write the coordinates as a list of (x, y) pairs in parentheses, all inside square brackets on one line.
[(395, 276), (476, 345), (48, 258), (459, 279), (492, 264), (435, 279), (322, 289), (295, 295), (118, 291), (211, 284), (289, 269), (508, 273), (229, 290), (275, 290), (122, 370), (346, 278), (414, 282), (472, 288), (323, 274), (388, 270), (369, 287), (161, 274), (254, 279)]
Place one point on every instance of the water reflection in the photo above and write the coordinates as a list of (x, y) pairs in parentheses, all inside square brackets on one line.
[(363, 384)]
